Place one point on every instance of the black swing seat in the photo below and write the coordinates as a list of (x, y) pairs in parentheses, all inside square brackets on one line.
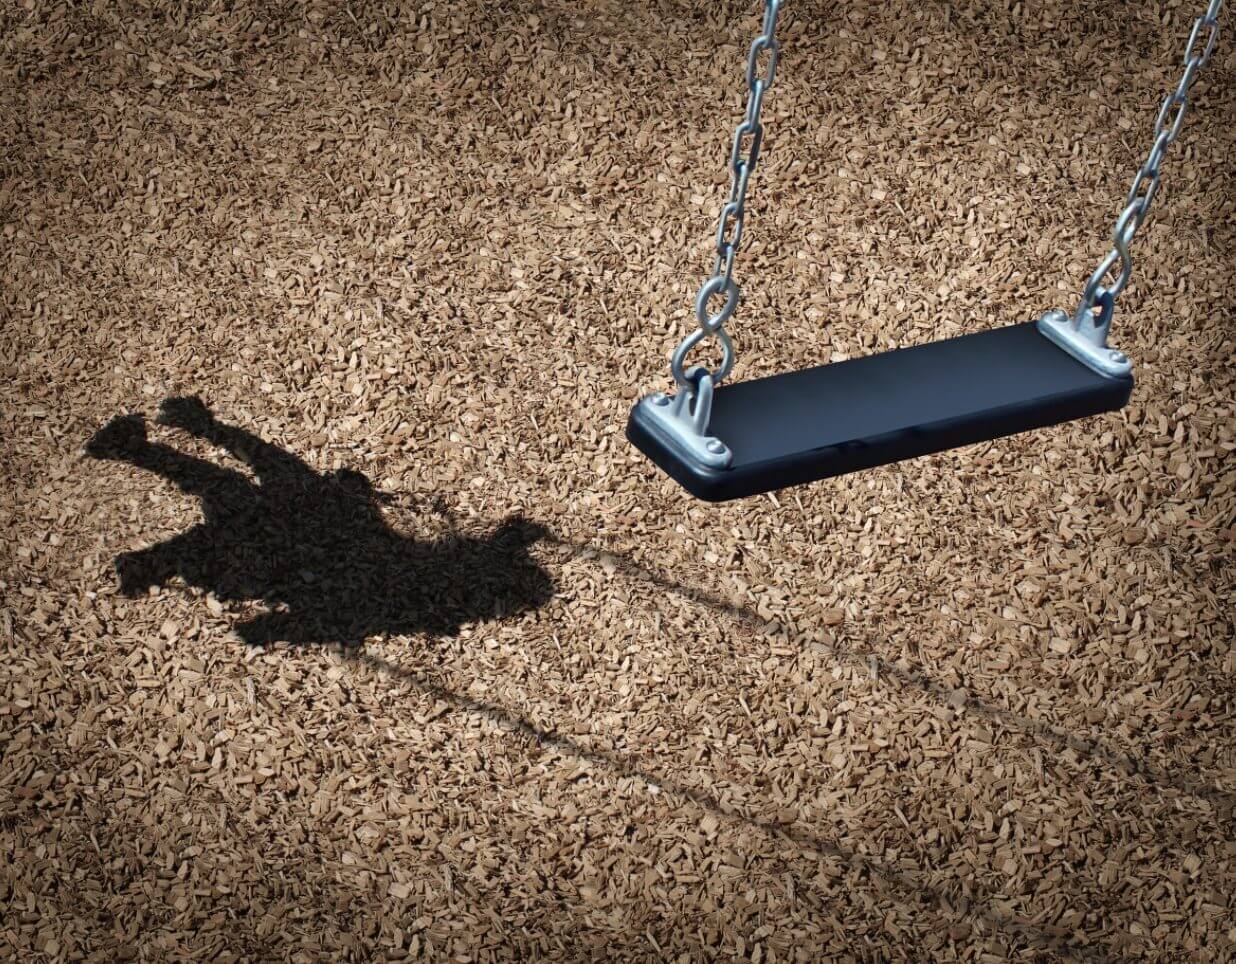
[(821, 422)]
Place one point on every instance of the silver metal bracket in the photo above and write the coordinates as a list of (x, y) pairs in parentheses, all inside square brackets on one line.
[(681, 422), (1086, 340)]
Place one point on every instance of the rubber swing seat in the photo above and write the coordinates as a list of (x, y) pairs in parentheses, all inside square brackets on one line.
[(821, 422)]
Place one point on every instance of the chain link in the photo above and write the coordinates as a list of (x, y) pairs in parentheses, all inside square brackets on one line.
[(744, 155), (1167, 126)]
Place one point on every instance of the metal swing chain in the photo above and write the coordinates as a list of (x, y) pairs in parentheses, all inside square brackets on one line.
[(1146, 184), (733, 213)]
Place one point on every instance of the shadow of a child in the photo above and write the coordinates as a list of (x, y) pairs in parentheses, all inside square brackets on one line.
[(314, 547)]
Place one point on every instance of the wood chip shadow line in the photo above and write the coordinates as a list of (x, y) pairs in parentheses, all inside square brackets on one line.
[(1040, 729), (943, 903)]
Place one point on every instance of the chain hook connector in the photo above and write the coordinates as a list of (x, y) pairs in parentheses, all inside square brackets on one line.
[(678, 358), (716, 285)]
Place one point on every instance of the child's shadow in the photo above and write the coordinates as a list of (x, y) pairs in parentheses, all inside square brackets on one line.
[(314, 548)]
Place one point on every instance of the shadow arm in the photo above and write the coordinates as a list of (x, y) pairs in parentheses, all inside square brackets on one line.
[(268, 461)]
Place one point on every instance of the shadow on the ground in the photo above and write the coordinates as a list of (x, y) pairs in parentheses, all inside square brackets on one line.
[(1040, 731), (314, 547), (317, 551)]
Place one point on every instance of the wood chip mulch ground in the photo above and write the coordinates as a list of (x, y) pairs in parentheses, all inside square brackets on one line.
[(340, 622)]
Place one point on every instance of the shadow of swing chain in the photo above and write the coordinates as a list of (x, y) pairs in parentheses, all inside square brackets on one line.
[(944, 903), (1130, 764)]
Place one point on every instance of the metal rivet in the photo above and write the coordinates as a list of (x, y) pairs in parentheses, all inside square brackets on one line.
[(716, 446)]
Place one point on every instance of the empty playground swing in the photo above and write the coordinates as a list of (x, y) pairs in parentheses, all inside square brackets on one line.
[(788, 429)]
